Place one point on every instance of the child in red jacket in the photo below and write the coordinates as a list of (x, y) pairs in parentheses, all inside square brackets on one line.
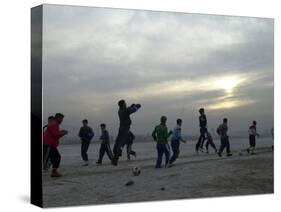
[(51, 138)]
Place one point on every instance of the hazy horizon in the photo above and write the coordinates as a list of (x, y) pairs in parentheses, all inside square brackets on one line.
[(170, 63)]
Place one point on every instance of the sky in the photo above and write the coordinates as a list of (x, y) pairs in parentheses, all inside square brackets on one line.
[(171, 63)]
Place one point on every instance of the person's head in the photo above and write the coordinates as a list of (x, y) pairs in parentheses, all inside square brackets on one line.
[(201, 111), (163, 119), (179, 122), (254, 123), (122, 103), (85, 122), (50, 118), (103, 126), (225, 120), (59, 117)]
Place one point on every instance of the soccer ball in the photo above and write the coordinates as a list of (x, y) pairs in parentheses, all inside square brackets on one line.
[(136, 171)]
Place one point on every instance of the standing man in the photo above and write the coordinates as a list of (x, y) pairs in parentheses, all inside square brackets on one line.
[(124, 113), (51, 138), (105, 146), (175, 141), (161, 135), (203, 130), (130, 141), (86, 134), (252, 138), (222, 131)]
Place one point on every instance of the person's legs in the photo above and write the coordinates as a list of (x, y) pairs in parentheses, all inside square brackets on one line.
[(167, 154), (160, 151), (175, 149), (84, 149), (203, 133), (228, 146), (46, 156), (207, 146), (223, 144), (119, 143), (108, 151), (128, 151), (101, 153), (211, 142), (252, 144), (55, 159)]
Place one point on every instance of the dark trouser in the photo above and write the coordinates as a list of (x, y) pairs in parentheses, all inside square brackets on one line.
[(46, 156), (202, 138), (210, 142), (120, 141), (225, 144), (130, 151), (84, 149), (162, 149), (175, 144), (105, 147), (55, 157), (252, 141)]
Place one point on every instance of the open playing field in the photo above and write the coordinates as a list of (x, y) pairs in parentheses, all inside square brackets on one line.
[(193, 176)]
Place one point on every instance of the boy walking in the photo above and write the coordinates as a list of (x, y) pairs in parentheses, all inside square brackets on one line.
[(252, 138), (86, 134), (222, 131), (161, 135), (203, 130), (105, 145), (175, 141)]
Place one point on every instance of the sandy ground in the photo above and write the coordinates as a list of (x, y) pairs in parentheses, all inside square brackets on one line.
[(193, 176)]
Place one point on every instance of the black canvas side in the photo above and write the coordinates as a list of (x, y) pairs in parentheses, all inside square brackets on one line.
[(36, 105)]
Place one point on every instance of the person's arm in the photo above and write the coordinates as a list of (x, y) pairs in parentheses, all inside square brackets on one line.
[(80, 133), (133, 136), (54, 130), (154, 134), (133, 108), (92, 133)]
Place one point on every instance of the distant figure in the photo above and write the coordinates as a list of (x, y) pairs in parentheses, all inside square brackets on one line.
[(175, 141), (130, 141), (51, 138), (86, 134), (252, 138), (105, 145), (161, 135), (210, 142), (222, 131), (203, 130), (124, 128), (46, 148)]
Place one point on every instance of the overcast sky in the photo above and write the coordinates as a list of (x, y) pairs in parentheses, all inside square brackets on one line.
[(170, 63)]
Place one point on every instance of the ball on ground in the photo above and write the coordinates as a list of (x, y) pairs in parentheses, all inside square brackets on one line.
[(136, 171)]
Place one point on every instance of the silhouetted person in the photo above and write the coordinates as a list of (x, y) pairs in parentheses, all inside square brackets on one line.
[(86, 134), (161, 135), (272, 136), (130, 141), (105, 145), (51, 138), (175, 141), (124, 113), (46, 148), (222, 131), (252, 138), (203, 130), (210, 142)]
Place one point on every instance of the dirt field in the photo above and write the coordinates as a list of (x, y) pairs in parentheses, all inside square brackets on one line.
[(193, 176)]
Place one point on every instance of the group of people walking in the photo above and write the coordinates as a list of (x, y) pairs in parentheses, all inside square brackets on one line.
[(160, 134)]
